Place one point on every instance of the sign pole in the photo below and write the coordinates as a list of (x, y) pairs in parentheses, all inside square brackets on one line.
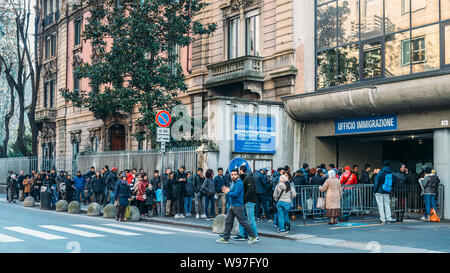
[(163, 207)]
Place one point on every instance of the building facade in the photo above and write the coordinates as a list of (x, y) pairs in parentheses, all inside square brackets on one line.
[(379, 88), (282, 82)]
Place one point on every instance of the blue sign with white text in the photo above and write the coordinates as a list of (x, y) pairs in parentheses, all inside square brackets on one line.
[(254, 134), (367, 124)]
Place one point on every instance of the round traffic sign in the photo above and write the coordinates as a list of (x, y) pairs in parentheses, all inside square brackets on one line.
[(163, 118)]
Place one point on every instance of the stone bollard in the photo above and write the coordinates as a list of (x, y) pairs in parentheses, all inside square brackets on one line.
[(74, 207), (135, 215), (219, 225), (109, 211), (94, 209), (29, 202), (62, 206)]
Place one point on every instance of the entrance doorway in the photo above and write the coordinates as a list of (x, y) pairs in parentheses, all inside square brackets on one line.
[(414, 149), (117, 137)]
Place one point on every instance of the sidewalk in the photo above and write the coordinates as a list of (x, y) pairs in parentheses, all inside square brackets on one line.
[(299, 231)]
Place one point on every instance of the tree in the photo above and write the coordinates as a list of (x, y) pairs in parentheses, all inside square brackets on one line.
[(19, 68), (140, 69)]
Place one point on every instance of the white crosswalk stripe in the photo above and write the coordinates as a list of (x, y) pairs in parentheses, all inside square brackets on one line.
[(176, 229), (108, 230), (73, 231), (35, 233), (139, 228), (8, 239)]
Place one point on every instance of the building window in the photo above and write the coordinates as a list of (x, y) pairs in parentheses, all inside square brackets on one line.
[(76, 84), (418, 51), (52, 94), (46, 86), (174, 59), (252, 33), (94, 144), (363, 40), (47, 46), (53, 45), (233, 34), (77, 30)]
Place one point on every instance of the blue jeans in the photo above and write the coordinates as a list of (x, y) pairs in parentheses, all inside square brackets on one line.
[(111, 194), (347, 197), (78, 192), (283, 214), (430, 202), (188, 204), (249, 212), (209, 203)]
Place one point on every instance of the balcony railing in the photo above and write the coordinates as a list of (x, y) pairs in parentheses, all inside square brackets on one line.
[(45, 114), (247, 68)]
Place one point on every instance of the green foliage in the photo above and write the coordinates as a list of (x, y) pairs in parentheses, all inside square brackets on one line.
[(138, 68)]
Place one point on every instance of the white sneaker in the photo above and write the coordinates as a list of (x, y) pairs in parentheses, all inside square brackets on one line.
[(176, 216), (197, 216), (423, 218), (181, 216), (203, 216)]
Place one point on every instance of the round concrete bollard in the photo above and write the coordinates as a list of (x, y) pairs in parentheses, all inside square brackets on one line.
[(62, 206), (29, 202), (94, 209), (135, 215), (74, 207), (219, 225), (109, 211)]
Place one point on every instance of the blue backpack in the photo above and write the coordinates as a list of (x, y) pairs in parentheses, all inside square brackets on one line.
[(387, 185)]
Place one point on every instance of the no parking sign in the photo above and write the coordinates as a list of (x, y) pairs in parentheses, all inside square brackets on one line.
[(163, 118)]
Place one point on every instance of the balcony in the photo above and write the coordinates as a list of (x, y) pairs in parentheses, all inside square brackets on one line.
[(243, 69), (45, 115)]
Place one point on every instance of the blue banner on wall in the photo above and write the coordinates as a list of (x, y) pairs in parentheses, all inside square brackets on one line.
[(254, 134), (366, 124)]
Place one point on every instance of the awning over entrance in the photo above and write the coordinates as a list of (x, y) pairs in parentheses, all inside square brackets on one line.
[(412, 95)]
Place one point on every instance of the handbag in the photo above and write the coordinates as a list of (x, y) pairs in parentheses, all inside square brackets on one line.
[(309, 204), (144, 196), (320, 203), (128, 211), (434, 217), (274, 207)]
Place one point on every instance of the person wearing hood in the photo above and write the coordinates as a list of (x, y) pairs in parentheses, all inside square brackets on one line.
[(122, 194), (284, 193), (110, 182), (80, 182), (382, 197), (333, 190), (97, 185)]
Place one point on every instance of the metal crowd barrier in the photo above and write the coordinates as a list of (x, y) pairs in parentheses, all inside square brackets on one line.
[(360, 200)]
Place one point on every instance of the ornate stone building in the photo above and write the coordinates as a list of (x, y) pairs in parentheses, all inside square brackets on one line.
[(251, 57)]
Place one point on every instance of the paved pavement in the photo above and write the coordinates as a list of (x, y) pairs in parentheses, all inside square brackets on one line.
[(34, 230)]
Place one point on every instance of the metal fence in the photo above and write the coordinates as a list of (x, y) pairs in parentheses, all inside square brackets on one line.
[(27, 164), (147, 160), (360, 200)]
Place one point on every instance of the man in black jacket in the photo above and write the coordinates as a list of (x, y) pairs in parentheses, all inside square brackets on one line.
[(179, 189), (110, 183), (105, 173), (250, 200), (220, 181), (198, 179)]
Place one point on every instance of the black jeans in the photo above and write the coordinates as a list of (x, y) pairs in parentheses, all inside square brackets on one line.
[(261, 199), (98, 197), (237, 212), (141, 206), (121, 212)]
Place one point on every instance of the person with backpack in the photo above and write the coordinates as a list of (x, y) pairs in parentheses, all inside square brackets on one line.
[(382, 188), (283, 195), (430, 190)]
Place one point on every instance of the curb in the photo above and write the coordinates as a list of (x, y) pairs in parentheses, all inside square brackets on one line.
[(263, 234)]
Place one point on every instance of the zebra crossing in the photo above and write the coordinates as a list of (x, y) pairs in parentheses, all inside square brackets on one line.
[(20, 234)]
